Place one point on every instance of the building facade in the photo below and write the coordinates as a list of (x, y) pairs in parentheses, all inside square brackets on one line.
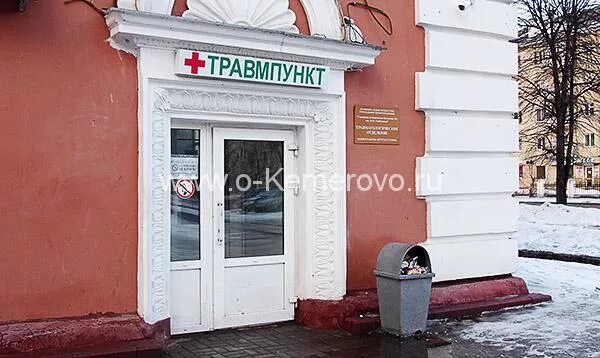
[(536, 138), (116, 126)]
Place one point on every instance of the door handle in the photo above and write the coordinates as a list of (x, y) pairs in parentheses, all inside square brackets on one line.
[(220, 221)]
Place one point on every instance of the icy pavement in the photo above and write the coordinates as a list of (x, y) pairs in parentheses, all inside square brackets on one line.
[(560, 229), (569, 326)]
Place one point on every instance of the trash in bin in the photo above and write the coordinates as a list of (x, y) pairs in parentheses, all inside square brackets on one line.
[(404, 288), (411, 267)]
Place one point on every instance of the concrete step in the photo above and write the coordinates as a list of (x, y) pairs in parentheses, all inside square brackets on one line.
[(369, 323)]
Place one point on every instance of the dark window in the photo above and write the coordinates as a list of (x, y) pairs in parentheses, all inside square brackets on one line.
[(541, 143), (588, 109), (521, 170), (540, 114), (590, 140), (540, 172)]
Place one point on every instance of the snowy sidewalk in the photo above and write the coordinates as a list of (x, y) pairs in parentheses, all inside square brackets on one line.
[(569, 326), (560, 229)]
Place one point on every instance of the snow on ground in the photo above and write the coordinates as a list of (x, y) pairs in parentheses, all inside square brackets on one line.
[(569, 326), (560, 229), (587, 192), (553, 200)]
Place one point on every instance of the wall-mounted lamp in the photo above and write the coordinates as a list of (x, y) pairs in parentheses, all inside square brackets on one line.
[(352, 31), (464, 4)]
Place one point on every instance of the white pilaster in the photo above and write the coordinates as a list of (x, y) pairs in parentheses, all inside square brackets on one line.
[(469, 172)]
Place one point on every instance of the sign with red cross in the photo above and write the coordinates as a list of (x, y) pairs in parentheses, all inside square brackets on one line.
[(222, 66)]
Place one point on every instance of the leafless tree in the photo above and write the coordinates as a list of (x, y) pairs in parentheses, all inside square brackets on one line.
[(559, 79)]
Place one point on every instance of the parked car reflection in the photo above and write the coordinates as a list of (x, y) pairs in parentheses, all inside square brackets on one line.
[(254, 223)]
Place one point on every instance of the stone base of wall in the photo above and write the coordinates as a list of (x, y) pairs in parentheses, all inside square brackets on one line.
[(96, 334), (358, 311)]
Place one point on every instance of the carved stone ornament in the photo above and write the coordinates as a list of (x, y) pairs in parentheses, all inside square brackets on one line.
[(264, 14), (325, 232)]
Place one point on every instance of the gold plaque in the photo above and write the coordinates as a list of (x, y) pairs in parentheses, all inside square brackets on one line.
[(376, 125)]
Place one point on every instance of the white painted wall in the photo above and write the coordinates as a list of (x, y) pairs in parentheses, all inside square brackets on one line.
[(468, 172)]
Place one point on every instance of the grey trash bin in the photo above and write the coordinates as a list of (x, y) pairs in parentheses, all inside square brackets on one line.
[(403, 299)]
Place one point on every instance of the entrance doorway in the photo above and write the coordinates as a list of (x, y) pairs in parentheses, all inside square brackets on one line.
[(589, 176), (232, 245)]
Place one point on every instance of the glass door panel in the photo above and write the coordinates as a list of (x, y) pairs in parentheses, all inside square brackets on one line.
[(254, 201), (185, 210)]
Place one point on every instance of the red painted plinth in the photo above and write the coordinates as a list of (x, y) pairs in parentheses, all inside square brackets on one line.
[(60, 335), (448, 300)]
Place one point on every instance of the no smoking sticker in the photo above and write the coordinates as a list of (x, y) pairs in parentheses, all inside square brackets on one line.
[(185, 189)]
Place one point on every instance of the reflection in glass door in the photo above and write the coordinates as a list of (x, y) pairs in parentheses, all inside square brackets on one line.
[(253, 198), (185, 211)]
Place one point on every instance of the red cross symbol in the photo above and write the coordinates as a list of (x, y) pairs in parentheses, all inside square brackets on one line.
[(195, 63)]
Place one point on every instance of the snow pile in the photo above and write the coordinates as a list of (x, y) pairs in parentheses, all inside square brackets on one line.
[(587, 192), (559, 228), (569, 326)]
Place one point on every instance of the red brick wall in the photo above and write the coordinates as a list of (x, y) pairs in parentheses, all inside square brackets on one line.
[(375, 218), (68, 150)]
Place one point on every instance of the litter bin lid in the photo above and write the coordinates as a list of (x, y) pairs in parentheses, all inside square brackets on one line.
[(391, 257)]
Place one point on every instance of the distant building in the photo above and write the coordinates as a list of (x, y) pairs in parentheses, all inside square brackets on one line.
[(535, 163)]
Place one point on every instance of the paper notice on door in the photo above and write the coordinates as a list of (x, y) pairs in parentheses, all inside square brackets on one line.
[(184, 167)]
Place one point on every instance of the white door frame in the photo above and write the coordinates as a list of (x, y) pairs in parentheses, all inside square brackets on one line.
[(321, 212), (205, 268), (220, 263)]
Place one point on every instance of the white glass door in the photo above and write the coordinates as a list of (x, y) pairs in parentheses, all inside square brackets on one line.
[(253, 227), (190, 229)]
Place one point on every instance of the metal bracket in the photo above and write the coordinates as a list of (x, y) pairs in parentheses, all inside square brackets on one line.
[(294, 148)]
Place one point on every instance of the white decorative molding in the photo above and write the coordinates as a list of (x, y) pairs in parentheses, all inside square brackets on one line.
[(131, 30), (156, 6), (325, 231), (159, 255), (236, 103), (324, 16), (264, 14), (324, 204)]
